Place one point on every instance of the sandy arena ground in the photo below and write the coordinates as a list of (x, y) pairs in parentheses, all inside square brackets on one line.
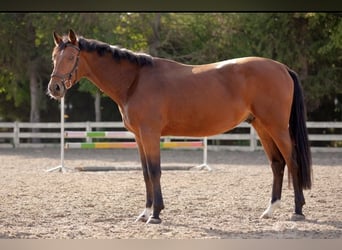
[(223, 203)]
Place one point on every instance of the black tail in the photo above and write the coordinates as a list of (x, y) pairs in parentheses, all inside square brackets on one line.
[(299, 134)]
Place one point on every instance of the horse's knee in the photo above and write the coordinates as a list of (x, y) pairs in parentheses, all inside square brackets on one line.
[(278, 164), (154, 172), (278, 167), (145, 174)]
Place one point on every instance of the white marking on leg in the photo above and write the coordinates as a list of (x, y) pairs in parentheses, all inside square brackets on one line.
[(269, 211), (145, 215)]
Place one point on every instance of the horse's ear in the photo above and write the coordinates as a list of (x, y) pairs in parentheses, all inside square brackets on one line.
[(57, 38), (72, 36)]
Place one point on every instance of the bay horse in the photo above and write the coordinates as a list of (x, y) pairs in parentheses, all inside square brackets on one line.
[(158, 97)]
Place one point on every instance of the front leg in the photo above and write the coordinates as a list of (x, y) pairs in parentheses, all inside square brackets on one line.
[(149, 145), (145, 215), (152, 154)]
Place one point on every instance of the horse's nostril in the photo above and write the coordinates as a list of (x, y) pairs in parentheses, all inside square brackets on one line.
[(57, 88)]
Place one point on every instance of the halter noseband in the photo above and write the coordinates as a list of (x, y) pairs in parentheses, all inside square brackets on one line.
[(66, 78)]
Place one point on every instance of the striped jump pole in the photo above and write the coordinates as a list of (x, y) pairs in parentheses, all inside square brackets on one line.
[(128, 144), (101, 145), (116, 145), (95, 145), (118, 135), (98, 134)]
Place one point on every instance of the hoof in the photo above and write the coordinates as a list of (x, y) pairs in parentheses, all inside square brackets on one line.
[(141, 218), (153, 220), (297, 217), (144, 216), (268, 213), (265, 215)]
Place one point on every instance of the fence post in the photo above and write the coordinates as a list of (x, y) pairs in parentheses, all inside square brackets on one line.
[(253, 140), (16, 130), (88, 129), (205, 151)]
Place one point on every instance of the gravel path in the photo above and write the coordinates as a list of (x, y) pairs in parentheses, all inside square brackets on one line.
[(223, 203)]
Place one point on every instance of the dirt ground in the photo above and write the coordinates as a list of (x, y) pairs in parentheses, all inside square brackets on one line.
[(199, 204)]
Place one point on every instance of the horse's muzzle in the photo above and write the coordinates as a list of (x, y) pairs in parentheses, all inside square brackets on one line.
[(56, 89)]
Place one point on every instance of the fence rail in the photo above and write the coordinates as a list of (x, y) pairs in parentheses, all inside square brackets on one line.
[(323, 136)]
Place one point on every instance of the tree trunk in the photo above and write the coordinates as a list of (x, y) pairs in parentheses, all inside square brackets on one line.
[(97, 104), (155, 39), (34, 91), (34, 94)]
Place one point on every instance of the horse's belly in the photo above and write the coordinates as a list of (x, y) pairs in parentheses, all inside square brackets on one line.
[(199, 125)]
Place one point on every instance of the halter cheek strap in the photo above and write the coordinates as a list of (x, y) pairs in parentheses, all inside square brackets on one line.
[(66, 78)]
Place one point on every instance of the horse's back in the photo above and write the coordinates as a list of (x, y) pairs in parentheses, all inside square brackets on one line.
[(199, 100)]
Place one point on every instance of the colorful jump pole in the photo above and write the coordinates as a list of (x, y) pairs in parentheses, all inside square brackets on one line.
[(98, 134), (118, 134), (94, 145), (116, 145)]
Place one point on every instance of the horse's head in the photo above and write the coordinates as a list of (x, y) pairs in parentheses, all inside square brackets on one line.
[(65, 57)]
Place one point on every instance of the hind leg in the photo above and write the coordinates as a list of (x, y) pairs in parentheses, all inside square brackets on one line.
[(277, 163), (284, 143)]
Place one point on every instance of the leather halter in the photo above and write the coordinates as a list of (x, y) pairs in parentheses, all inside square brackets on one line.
[(66, 78)]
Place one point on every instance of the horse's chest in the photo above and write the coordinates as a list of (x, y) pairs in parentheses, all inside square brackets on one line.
[(126, 119)]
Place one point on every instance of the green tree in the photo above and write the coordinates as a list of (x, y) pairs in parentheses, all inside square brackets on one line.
[(21, 61), (310, 43), (25, 57)]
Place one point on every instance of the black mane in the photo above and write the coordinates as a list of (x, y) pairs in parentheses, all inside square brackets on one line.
[(118, 53)]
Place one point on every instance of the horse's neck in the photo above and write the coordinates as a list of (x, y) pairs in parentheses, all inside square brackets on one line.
[(112, 77)]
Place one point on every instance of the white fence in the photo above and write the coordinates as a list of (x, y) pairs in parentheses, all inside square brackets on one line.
[(324, 136)]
